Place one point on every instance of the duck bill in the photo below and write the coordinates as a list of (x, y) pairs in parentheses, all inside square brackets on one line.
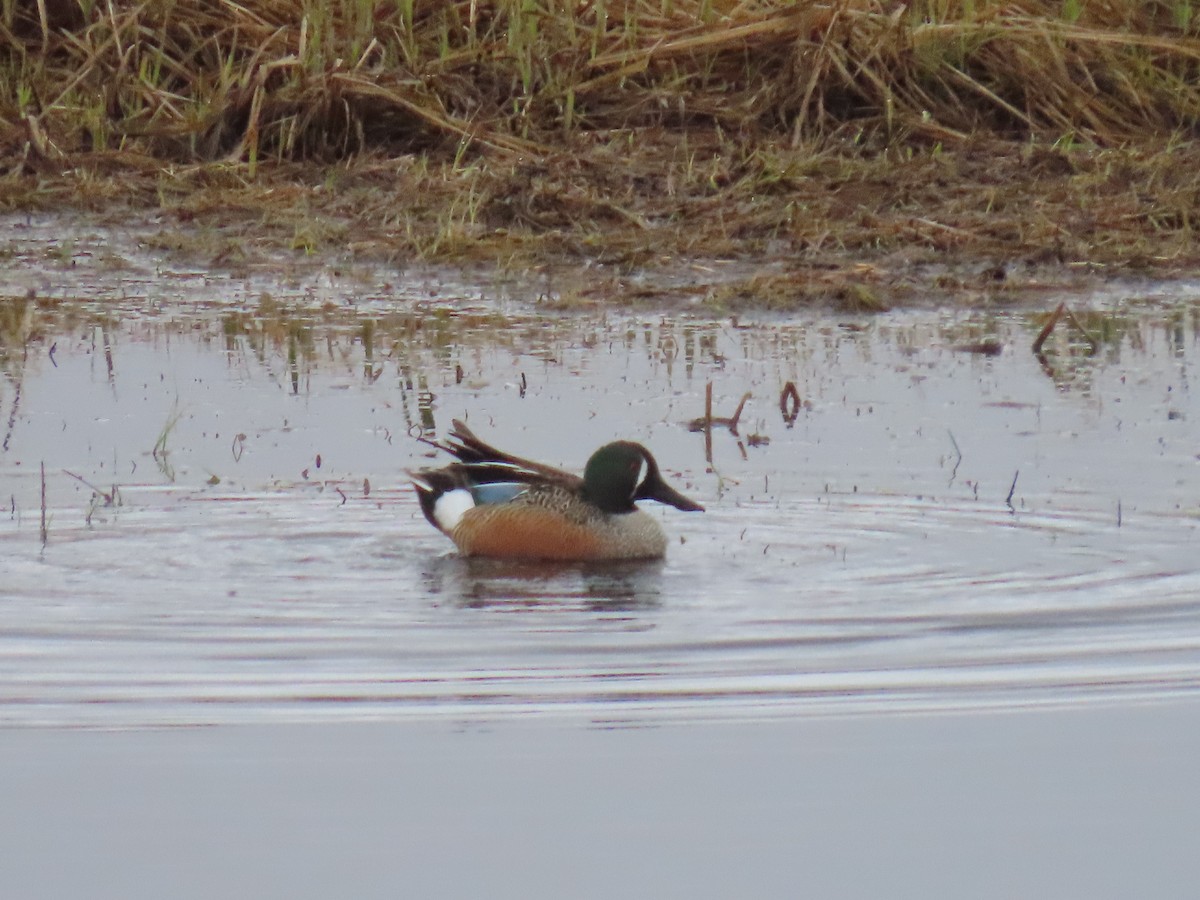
[(662, 492)]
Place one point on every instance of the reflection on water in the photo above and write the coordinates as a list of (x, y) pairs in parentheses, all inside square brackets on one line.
[(621, 586), (934, 518)]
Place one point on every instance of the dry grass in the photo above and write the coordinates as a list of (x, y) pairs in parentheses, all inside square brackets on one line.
[(195, 80), (530, 130)]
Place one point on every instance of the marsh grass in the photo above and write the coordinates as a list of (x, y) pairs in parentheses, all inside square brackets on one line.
[(527, 130), (160, 453)]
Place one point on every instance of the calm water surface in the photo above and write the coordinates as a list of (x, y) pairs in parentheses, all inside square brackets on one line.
[(231, 537)]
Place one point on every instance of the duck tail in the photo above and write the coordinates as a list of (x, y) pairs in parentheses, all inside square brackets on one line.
[(431, 485)]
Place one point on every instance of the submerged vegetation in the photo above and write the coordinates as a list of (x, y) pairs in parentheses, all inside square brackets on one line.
[(848, 139)]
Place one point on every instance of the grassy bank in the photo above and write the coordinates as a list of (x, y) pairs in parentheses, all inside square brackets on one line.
[(844, 140)]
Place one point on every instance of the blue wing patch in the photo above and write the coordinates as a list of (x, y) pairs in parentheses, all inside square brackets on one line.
[(498, 492)]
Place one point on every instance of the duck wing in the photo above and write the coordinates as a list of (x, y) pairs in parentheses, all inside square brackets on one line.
[(491, 464), (482, 475)]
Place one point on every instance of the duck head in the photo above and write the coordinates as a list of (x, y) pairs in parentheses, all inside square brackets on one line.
[(621, 473)]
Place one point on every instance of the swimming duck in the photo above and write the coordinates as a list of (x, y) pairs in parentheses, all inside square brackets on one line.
[(494, 504)]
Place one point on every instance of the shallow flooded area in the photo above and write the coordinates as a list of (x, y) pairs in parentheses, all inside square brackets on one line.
[(936, 634), (936, 519)]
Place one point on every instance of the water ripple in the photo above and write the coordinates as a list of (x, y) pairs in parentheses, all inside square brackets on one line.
[(278, 568)]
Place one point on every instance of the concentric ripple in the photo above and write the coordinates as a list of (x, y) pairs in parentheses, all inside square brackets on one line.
[(230, 536)]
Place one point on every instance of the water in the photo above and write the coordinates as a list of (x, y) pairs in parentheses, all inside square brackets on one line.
[(231, 537)]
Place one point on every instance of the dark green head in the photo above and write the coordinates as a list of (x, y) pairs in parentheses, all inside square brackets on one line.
[(620, 473)]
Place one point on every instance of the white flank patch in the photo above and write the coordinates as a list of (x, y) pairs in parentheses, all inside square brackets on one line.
[(450, 507)]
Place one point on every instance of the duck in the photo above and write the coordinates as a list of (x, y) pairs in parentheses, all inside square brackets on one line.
[(496, 505)]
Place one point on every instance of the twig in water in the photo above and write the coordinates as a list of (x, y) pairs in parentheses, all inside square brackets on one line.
[(789, 404), (958, 455), (160, 453), (1012, 487), (12, 416), (708, 420), (708, 456), (737, 413), (1047, 328), (108, 498), (1064, 310), (45, 536)]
